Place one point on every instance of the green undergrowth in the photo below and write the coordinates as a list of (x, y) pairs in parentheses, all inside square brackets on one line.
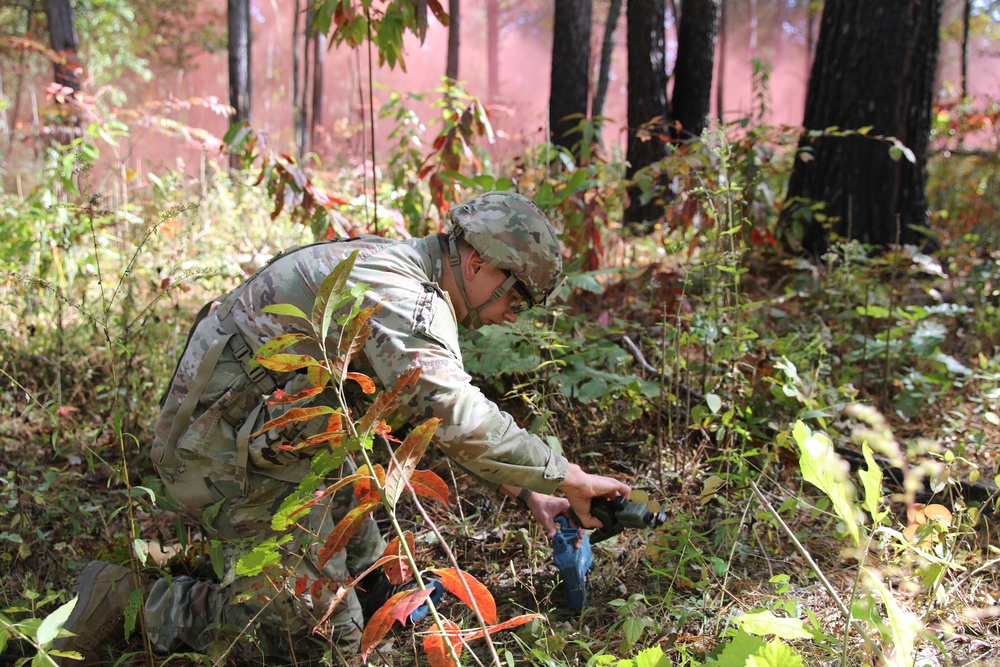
[(822, 433)]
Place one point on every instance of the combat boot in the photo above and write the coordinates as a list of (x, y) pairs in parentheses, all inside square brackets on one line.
[(98, 619)]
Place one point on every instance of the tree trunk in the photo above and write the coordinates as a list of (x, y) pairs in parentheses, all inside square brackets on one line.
[(492, 50), (607, 47), (692, 98), (874, 66), (719, 88), (319, 62), (570, 87), (647, 106), (65, 42), (239, 63), (454, 40)]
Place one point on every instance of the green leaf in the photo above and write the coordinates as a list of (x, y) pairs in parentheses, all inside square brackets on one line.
[(871, 478), (714, 403), (904, 625), (738, 651), (262, 555), (329, 294), (765, 623), (132, 611), (652, 657), (217, 554), (775, 654), (632, 629), (822, 467), (49, 628), (286, 309)]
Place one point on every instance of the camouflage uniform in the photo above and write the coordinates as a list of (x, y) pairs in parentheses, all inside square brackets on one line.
[(232, 485)]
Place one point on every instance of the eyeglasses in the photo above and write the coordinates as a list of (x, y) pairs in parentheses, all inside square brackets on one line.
[(524, 299)]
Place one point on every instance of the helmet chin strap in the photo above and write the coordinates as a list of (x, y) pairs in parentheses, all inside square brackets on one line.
[(472, 319)]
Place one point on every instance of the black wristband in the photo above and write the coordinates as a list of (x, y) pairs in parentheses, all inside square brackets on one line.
[(523, 496)]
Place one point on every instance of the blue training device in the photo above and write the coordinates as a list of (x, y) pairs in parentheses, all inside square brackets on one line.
[(573, 564)]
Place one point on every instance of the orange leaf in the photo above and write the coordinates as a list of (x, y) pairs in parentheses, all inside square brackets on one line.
[(344, 530), (426, 483), (342, 590), (407, 377), (365, 491), (366, 383), (397, 568), (318, 439), (294, 415), (506, 625), (434, 646), (383, 405), (356, 332), (281, 398), (333, 488), (406, 459), (382, 620), (483, 598)]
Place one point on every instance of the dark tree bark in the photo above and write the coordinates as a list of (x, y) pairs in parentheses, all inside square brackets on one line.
[(492, 50), (65, 42), (719, 104), (966, 19), (647, 104), (319, 63), (875, 65), (607, 47), (454, 40), (692, 97), (570, 87), (239, 59)]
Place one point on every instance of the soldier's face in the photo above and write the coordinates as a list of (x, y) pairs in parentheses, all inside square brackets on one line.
[(479, 289)]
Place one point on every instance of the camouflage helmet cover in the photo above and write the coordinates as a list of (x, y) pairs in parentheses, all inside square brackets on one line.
[(511, 233)]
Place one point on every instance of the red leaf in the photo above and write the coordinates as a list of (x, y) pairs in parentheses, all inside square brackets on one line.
[(407, 605), (406, 459), (483, 598), (434, 646), (397, 569), (301, 584), (426, 483), (344, 530)]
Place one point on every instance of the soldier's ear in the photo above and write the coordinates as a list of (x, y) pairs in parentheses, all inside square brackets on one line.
[(475, 263)]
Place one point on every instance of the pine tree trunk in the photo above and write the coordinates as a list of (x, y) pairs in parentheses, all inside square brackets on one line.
[(239, 64), (874, 67), (692, 97), (64, 41), (570, 89), (647, 106), (607, 47), (454, 40)]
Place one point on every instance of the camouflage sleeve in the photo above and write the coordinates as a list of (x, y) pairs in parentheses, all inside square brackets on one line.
[(421, 329)]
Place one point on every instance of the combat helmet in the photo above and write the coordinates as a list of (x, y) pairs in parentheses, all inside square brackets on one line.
[(512, 234)]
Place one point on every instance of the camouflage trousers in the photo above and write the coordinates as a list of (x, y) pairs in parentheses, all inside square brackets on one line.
[(233, 500)]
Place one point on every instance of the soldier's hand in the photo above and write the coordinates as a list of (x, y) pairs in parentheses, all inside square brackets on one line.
[(579, 487)]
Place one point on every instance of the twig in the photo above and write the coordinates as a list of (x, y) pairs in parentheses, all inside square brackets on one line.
[(691, 394), (819, 573)]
